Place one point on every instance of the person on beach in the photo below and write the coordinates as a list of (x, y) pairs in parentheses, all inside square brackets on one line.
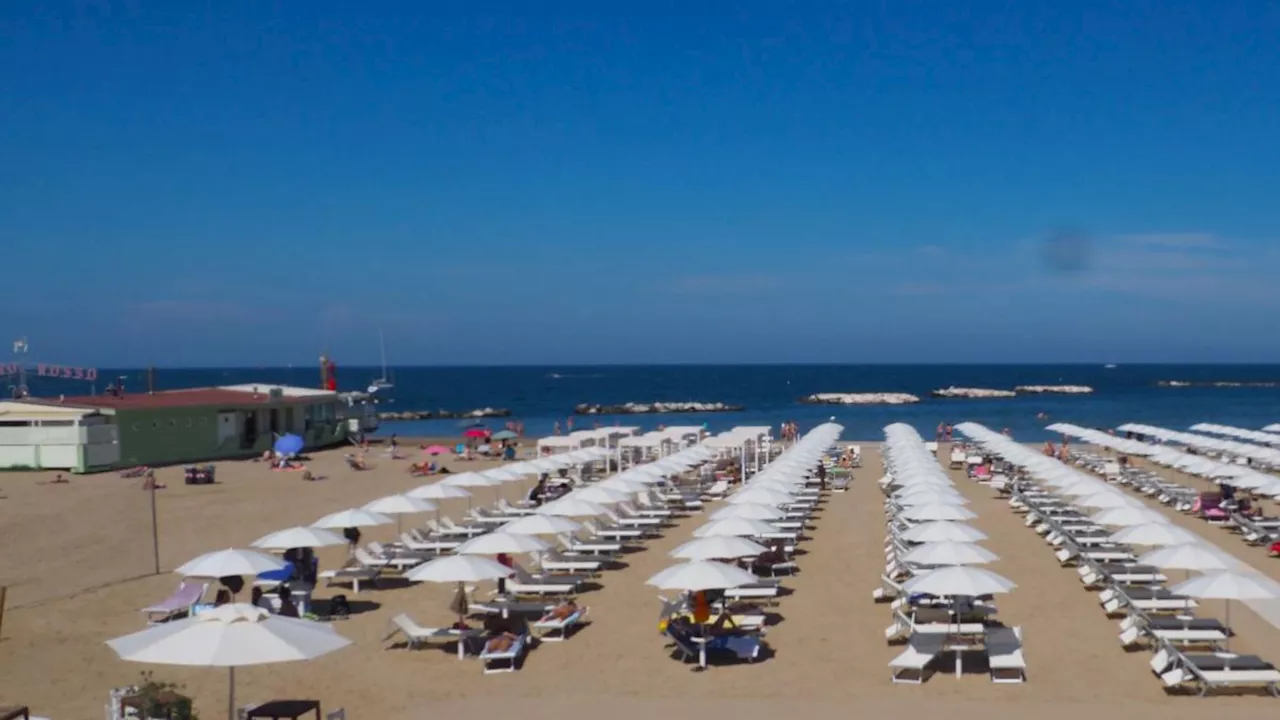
[(555, 429)]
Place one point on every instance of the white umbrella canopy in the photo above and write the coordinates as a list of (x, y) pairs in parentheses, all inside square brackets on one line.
[(748, 511), (223, 563), (505, 475), (718, 547), (540, 525), (943, 531), (1188, 556), (742, 527), (471, 479), (400, 505), (701, 575), (298, 537), (1228, 585), (761, 496), (438, 491), (1107, 501), (938, 511), (569, 506), (930, 499), (458, 569), (600, 495), (354, 517), (959, 580), (1154, 535), (623, 485), (230, 636), (495, 543), (950, 553), (1128, 517)]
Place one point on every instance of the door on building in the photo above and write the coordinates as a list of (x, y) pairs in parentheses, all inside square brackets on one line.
[(249, 436), (275, 421)]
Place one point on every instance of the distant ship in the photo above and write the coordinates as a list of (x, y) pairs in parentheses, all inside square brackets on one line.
[(1109, 366)]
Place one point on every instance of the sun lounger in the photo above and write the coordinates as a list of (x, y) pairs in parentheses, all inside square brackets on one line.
[(612, 532), (496, 661), (351, 575), (1004, 653), (574, 545), (425, 543), (718, 490), (912, 666), (416, 635), (524, 584), (553, 629), (742, 646), (554, 562), (1115, 599), (176, 605), (1211, 671), (763, 590), (448, 528), (492, 518), (368, 559)]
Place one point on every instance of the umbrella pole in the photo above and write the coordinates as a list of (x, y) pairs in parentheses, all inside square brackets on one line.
[(231, 693), (1228, 625)]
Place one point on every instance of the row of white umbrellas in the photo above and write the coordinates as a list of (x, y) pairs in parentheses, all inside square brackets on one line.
[(1175, 547), (922, 492), (746, 515), (1241, 476), (1234, 448), (1259, 436)]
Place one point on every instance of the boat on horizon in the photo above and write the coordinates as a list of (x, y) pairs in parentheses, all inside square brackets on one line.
[(381, 387)]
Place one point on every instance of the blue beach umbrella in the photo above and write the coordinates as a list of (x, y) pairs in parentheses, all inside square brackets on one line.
[(289, 445)]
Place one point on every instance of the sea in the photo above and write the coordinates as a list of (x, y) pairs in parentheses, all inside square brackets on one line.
[(1240, 395)]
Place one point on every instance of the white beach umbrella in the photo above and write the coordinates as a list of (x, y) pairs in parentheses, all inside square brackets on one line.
[(354, 517), (569, 506), (718, 547), (438, 491), (701, 575), (931, 499), (540, 525), (1189, 556), (299, 537), (400, 505), (458, 569), (1155, 534), (623, 485), (1107, 501), (1228, 585), (748, 511), (600, 495), (1128, 517), (471, 480), (761, 495), (950, 553), (943, 531), (736, 526), (230, 636), (495, 543), (937, 511), (223, 563), (959, 580), (505, 475)]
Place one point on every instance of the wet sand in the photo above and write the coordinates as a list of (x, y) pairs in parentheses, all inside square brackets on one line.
[(829, 656)]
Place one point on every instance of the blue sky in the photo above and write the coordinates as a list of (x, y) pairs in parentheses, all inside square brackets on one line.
[(199, 183)]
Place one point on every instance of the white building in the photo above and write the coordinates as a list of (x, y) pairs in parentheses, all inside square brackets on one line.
[(45, 436)]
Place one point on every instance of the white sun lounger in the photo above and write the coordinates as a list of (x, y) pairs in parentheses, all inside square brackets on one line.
[(416, 635), (505, 661), (912, 666), (551, 629), (1004, 654), (419, 542)]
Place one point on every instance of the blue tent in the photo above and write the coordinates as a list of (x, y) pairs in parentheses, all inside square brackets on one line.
[(289, 445)]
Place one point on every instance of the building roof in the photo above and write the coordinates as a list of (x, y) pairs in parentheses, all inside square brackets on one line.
[(194, 397), (18, 410), (289, 391)]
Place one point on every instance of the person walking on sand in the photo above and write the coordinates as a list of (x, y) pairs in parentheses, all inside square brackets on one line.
[(555, 429)]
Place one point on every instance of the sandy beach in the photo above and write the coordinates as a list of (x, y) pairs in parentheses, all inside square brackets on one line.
[(78, 564)]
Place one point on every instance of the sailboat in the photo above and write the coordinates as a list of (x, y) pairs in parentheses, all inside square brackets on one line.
[(383, 385)]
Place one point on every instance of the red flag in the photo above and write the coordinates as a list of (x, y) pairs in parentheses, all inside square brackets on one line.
[(333, 377)]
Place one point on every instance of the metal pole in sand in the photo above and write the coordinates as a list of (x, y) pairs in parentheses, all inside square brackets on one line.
[(155, 527)]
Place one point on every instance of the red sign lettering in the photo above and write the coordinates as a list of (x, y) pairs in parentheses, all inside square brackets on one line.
[(66, 372)]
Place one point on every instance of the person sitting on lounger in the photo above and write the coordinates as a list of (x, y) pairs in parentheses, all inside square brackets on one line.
[(563, 611), (500, 633)]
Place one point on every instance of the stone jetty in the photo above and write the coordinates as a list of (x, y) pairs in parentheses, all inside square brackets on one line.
[(1053, 389), (486, 412), (881, 398), (966, 392), (655, 408)]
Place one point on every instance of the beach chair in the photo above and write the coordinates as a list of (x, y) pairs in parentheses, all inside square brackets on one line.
[(912, 665), (576, 546), (418, 542), (553, 562), (382, 560), (740, 646), (1004, 655), (1207, 672), (718, 490), (176, 605), (553, 629), (416, 635), (496, 661), (353, 575), (525, 584)]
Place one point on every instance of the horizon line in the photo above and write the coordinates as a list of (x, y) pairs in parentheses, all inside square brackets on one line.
[(453, 366)]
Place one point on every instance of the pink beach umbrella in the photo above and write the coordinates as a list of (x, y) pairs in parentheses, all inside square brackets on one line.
[(435, 450)]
